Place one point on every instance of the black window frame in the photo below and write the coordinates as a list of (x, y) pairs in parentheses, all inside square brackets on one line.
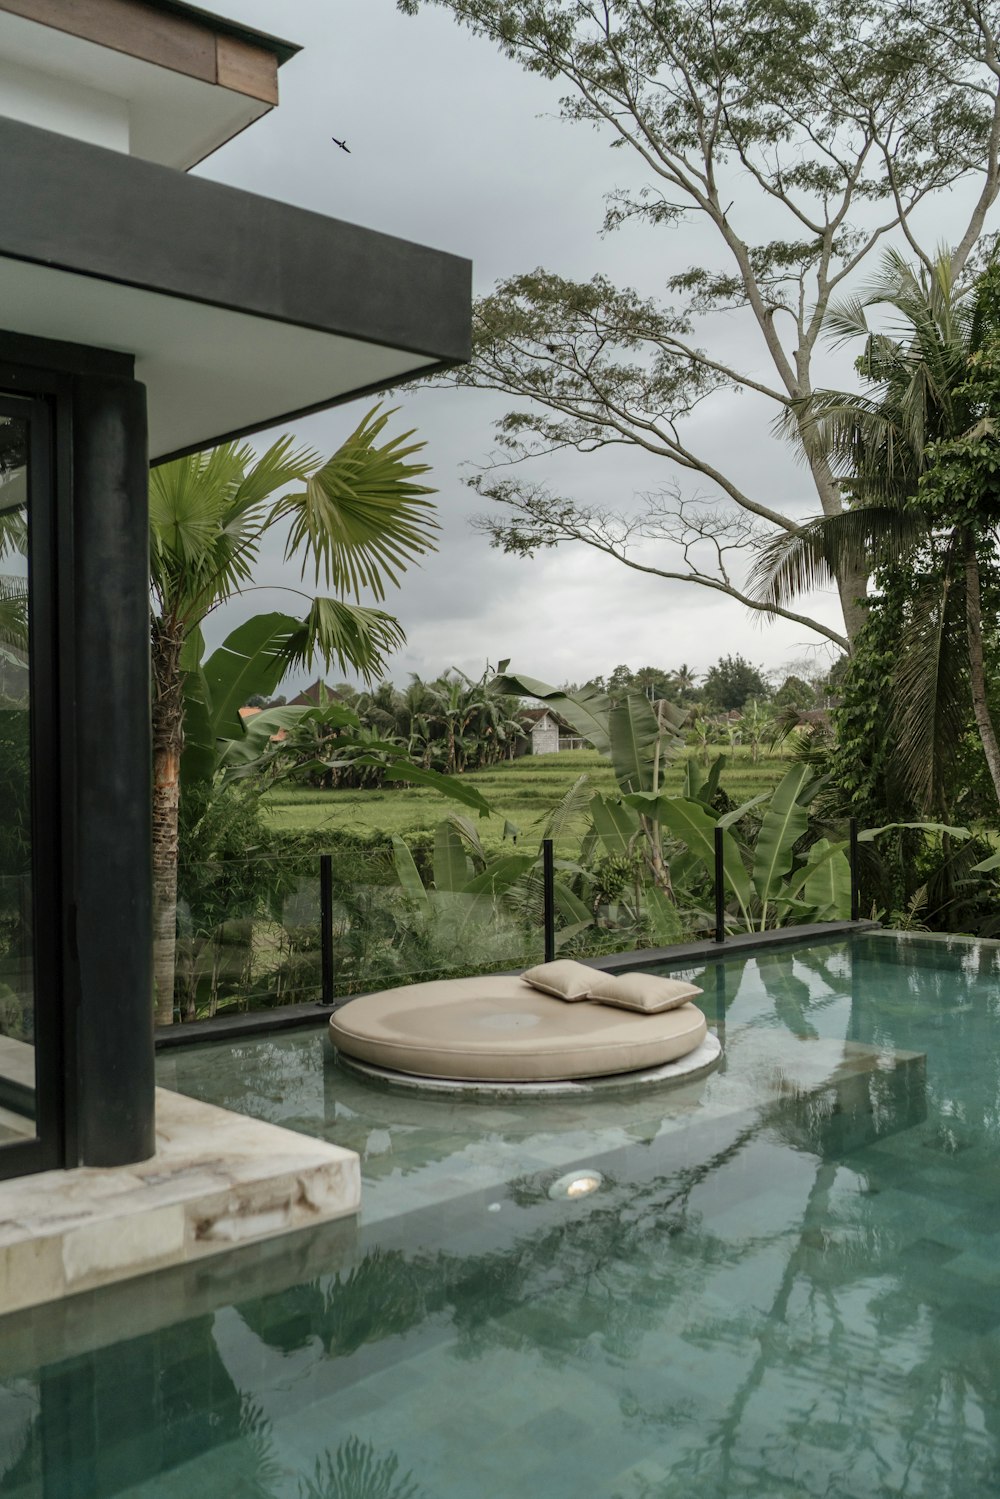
[(44, 400)]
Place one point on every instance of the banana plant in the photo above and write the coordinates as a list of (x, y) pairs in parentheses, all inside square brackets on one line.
[(770, 881), (220, 747), (640, 740), (766, 882), (473, 898)]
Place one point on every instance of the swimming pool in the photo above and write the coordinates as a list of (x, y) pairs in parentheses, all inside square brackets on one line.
[(787, 1283)]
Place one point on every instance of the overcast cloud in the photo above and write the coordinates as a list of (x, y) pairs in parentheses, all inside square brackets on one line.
[(454, 146)]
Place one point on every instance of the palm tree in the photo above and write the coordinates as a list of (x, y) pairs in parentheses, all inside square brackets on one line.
[(451, 710), (415, 705), (682, 681), (892, 448), (356, 520)]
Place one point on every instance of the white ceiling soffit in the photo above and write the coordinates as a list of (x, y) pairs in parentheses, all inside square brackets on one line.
[(209, 372), (173, 119)]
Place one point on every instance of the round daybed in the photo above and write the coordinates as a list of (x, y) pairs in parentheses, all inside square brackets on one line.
[(502, 1030)]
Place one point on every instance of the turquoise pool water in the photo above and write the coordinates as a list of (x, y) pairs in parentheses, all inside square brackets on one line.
[(788, 1284)]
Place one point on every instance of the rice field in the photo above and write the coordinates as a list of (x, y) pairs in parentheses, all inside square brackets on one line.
[(523, 792)]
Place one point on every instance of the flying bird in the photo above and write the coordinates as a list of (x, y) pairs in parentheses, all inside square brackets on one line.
[(342, 144)]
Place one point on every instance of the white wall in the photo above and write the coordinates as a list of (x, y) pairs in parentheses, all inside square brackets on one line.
[(55, 103)]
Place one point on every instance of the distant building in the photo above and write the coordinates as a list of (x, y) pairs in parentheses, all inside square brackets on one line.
[(547, 732), (315, 696)]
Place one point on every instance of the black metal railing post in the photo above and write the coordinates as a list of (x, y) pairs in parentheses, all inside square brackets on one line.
[(549, 899), (720, 888), (326, 928), (855, 894)]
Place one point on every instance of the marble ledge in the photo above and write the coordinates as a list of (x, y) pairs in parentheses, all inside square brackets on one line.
[(218, 1180)]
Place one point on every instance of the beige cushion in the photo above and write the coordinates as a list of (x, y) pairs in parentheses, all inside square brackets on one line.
[(646, 992), (563, 978), (499, 1029)]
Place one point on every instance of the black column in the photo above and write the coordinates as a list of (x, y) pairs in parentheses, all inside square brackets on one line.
[(111, 860)]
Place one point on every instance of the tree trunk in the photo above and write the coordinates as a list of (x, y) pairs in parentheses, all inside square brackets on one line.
[(851, 586), (977, 669), (853, 590), (168, 741)]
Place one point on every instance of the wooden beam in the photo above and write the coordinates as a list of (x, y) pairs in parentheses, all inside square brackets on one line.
[(246, 69), (180, 43)]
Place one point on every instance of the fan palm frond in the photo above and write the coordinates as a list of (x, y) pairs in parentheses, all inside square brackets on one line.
[(195, 554), (362, 517), (262, 477), (356, 638)]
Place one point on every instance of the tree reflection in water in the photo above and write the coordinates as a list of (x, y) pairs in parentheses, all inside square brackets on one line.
[(354, 1472), (813, 1347)]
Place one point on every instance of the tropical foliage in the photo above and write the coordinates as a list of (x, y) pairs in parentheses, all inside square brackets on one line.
[(918, 455), (356, 520), (795, 139)]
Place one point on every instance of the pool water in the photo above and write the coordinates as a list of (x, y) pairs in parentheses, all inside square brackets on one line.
[(788, 1282)]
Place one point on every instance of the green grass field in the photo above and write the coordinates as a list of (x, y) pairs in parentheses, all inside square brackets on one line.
[(523, 792)]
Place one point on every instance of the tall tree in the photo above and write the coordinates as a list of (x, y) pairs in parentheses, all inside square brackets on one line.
[(682, 682), (797, 136), (355, 520), (919, 457), (731, 681)]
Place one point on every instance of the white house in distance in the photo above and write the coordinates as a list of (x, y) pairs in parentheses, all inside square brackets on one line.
[(547, 732)]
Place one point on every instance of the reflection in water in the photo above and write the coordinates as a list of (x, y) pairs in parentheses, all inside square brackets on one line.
[(354, 1472), (623, 1289), (795, 1296)]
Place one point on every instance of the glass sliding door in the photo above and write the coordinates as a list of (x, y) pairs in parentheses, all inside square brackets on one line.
[(30, 1025)]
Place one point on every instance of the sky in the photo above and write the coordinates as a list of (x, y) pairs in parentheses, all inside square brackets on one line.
[(453, 146)]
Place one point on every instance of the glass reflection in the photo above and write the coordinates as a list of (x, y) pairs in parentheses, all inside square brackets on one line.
[(17, 1008)]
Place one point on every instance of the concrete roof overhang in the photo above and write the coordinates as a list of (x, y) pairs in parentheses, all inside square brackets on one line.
[(240, 312)]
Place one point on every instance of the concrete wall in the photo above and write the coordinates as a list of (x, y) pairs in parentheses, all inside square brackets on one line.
[(545, 737)]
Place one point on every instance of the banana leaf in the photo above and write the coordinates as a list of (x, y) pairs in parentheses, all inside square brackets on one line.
[(250, 661), (616, 825), (828, 882), (587, 710), (729, 818), (469, 835), (694, 825), (664, 921), (258, 744), (567, 933), (693, 780), (451, 865), (200, 754), (784, 823), (408, 874), (868, 835), (711, 783), (699, 786), (500, 875), (635, 734), (451, 786), (572, 907), (795, 884)]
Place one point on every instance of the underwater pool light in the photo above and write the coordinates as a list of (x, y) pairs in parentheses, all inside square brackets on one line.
[(577, 1184)]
